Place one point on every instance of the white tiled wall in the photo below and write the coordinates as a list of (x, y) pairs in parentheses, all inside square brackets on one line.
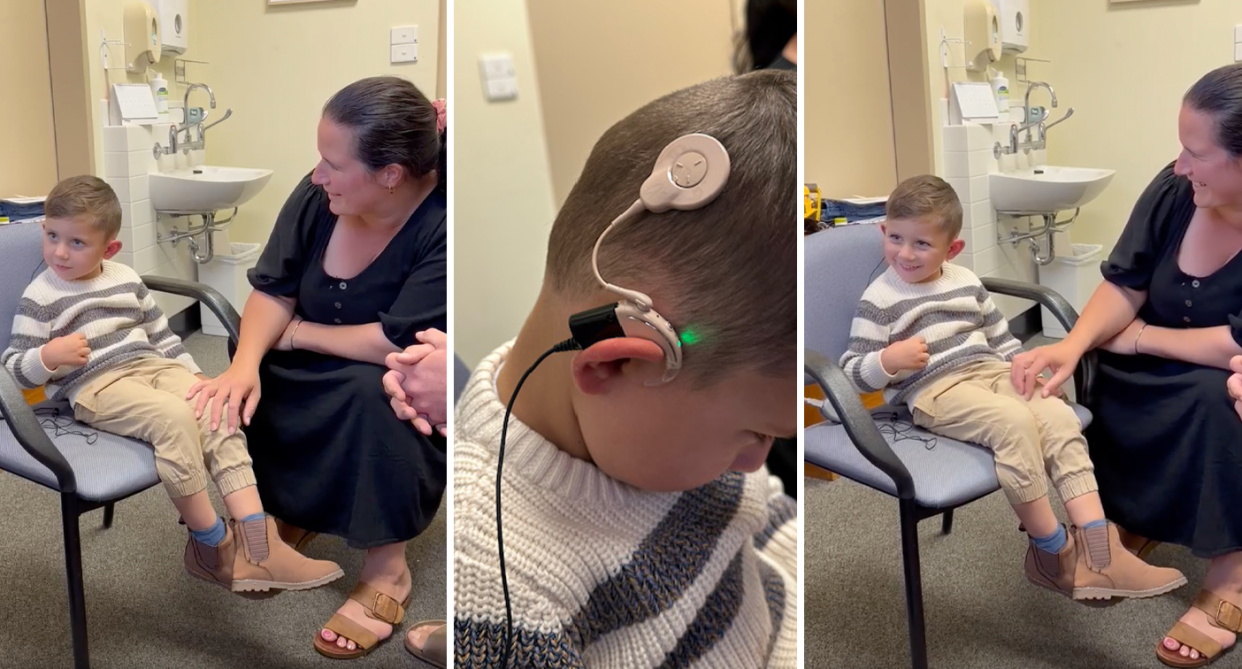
[(128, 159), (967, 160)]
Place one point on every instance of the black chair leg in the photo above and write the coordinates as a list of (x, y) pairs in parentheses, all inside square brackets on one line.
[(108, 515), (69, 511), (914, 585), (946, 523)]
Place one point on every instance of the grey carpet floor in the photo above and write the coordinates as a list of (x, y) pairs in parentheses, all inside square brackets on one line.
[(144, 611), (980, 611)]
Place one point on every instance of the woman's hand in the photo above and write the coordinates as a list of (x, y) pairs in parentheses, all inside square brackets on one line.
[(1235, 383), (1060, 358), (234, 387), (1126, 341), (285, 342), (417, 382)]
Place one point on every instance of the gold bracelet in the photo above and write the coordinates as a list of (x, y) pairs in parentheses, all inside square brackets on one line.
[(1138, 337), (300, 321)]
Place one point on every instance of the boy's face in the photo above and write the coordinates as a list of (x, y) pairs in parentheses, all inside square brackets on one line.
[(75, 248), (674, 436), (916, 247)]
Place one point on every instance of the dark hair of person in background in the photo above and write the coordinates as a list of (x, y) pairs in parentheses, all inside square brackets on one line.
[(770, 24)]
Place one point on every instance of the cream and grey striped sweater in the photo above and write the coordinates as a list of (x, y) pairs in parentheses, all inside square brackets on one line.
[(954, 314), (604, 575), (115, 312)]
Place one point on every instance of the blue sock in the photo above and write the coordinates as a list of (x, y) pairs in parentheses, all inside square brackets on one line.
[(1095, 523), (211, 536), (1053, 543), (254, 516)]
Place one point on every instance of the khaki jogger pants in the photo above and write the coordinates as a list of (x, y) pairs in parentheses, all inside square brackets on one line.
[(978, 404), (144, 398)]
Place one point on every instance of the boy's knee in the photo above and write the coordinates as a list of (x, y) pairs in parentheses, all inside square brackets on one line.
[(177, 415)]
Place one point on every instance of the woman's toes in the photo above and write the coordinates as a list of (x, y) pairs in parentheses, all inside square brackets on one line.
[(419, 636), (330, 636)]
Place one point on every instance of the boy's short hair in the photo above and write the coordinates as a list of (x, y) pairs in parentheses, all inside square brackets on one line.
[(725, 275), (86, 195), (927, 195)]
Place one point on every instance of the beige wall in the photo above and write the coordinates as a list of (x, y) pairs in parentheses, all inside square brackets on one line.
[(1127, 90), (277, 66), (501, 184), (598, 61), (26, 132), (848, 145)]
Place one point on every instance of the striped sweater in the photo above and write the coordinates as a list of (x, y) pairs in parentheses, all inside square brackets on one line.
[(115, 312), (954, 314), (602, 574)]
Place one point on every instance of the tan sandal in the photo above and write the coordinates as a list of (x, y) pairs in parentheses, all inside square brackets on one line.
[(435, 646), (1221, 613), (1140, 546), (378, 606)]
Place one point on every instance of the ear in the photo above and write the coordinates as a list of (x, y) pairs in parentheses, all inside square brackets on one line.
[(390, 176), (955, 248), (599, 367), (883, 230), (113, 248)]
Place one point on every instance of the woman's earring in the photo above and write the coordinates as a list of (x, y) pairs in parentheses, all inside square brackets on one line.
[(390, 190)]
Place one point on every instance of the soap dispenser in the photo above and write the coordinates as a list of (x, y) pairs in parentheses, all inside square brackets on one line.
[(142, 36), (982, 35)]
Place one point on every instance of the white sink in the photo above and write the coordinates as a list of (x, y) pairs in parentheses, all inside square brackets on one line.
[(205, 188), (1046, 189)]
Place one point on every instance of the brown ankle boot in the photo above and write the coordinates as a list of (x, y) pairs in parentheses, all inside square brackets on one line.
[(213, 564), (1105, 569), (263, 562), (1055, 572)]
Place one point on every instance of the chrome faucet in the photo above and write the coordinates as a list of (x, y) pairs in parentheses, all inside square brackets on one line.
[(190, 144), (1028, 124), (1026, 107)]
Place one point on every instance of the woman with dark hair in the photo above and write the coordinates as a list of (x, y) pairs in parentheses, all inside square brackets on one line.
[(1165, 440), (354, 269), (770, 38)]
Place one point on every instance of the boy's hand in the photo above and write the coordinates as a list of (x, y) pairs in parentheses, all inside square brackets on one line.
[(906, 354), (70, 349)]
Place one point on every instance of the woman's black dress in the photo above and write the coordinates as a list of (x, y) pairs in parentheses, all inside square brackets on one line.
[(1166, 442), (329, 454)]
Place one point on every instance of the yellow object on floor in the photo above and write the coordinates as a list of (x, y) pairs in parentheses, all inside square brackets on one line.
[(34, 396), (812, 202)]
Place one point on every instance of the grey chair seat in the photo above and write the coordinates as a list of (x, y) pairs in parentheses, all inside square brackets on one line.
[(113, 467), (947, 473)]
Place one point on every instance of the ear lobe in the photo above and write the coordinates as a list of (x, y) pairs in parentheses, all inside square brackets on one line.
[(113, 248), (600, 366)]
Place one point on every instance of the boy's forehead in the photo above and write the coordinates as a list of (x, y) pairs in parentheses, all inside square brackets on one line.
[(79, 222), (926, 224)]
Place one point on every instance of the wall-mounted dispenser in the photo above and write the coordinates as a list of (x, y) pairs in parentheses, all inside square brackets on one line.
[(174, 25), (982, 34), (142, 36), (1015, 20)]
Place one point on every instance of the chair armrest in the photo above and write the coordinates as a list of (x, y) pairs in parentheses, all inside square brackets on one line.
[(859, 424), (25, 426), (203, 293), (1064, 312)]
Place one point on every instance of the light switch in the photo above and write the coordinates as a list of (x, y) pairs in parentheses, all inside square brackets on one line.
[(496, 65), (501, 89), (404, 35), (1237, 34), (1237, 53), (405, 53)]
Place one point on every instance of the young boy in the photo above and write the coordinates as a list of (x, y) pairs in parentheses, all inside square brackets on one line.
[(928, 333), (640, 528), (89, 330)]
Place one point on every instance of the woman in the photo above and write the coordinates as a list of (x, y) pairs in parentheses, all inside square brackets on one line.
[(770, 38), (354, 268), (1166, 442)]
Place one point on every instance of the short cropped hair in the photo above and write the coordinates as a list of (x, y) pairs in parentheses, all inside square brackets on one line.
[(726, 274), (86, 195), (927, 196)]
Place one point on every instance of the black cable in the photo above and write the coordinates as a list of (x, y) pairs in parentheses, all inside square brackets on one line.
[(892, 426), (567, 345)]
